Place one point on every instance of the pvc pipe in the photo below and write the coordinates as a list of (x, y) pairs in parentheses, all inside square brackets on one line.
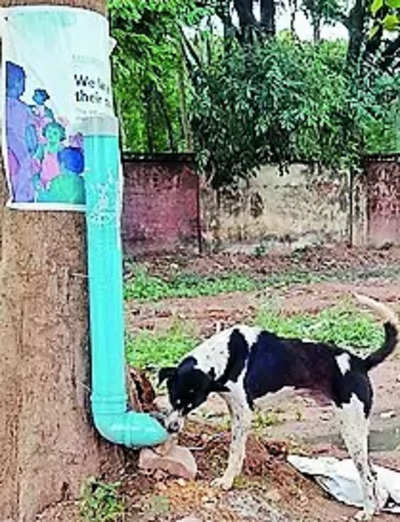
[(103, 215)]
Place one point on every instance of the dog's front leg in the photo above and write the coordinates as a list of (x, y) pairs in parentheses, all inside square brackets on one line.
[(240, 426)]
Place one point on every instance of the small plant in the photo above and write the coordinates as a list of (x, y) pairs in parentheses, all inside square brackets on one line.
[(265, 419), (153, 350), (260, 250), (100, 502), (299, 415)]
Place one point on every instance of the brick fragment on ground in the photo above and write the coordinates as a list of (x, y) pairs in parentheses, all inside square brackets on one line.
[(178, 461)]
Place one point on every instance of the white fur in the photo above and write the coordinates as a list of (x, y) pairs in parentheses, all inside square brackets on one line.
[(343, 361), (212, 352), (241, 415), (354, 427)]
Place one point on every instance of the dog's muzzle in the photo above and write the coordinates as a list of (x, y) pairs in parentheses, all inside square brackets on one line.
[(174, 422)]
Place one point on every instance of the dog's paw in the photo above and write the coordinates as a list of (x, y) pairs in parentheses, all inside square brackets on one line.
[(224, 483)]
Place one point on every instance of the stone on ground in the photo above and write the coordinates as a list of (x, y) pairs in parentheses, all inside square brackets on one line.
[(178, 461)]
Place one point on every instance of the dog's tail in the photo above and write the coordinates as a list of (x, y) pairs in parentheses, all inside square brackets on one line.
[(391, 326)]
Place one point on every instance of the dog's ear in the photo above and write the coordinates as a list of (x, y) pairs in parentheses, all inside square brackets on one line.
[(216, 386), (165, 373)]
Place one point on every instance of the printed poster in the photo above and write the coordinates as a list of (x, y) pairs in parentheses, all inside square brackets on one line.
[(56, 71)]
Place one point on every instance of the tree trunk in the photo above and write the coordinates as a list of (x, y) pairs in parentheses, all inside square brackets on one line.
[(48, 446), (268, 12), (355, 25), (316, 29)]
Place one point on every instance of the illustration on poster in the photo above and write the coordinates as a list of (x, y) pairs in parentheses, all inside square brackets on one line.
[(45, 164)]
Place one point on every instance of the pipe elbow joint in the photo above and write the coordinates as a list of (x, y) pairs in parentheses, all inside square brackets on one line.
[(131, 429)]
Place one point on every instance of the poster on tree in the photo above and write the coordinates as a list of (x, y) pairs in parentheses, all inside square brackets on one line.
[(55, 73)]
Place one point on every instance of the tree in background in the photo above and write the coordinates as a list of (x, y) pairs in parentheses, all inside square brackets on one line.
[(216, 76), (150, 81)]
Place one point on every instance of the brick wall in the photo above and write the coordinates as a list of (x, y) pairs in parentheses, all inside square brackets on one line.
[(272, 212), (304, 207), (161, 209), (383, 200)]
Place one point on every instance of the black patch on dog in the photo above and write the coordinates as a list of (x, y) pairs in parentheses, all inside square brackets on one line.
[(238, 353), (189, 386), (267, 368), (276, 362)]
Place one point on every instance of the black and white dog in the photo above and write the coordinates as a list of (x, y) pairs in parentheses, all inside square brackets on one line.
[(245, 363)]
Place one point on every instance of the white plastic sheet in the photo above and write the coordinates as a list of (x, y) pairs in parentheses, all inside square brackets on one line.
[(341, 480)]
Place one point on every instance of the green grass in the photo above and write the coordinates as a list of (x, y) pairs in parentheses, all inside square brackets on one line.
[(343, 325), (149, 350), (144, 286), (100, 502)]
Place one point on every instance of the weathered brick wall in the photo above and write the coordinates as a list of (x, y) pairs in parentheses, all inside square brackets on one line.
[(298, 209), (161, 207), (382, 178), (161, 211)]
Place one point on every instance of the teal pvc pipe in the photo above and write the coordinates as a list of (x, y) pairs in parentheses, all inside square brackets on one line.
[(103, 204)]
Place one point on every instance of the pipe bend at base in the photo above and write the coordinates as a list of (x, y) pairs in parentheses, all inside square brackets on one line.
[(131, 429)]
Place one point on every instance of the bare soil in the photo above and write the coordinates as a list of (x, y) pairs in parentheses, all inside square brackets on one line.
[(310, 259)]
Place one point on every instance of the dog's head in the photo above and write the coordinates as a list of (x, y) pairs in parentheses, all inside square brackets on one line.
[(188, 387)]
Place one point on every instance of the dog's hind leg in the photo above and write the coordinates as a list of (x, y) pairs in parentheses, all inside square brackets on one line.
[(241, 416), (354, 427)]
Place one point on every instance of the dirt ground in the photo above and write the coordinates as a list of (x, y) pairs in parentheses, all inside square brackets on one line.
[(376, 272), (269, 489)]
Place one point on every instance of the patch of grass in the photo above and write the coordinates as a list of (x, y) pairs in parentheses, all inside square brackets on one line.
[(140, 284), (265, 419), (153, 350), (100, 502), (343, 325), (146, 287)]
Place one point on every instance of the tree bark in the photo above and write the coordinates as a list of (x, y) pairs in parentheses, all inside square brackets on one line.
[(268, 11), (48, 446), (355, 25)]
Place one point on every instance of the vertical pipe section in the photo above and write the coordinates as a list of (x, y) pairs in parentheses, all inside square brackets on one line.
[(103, 215)]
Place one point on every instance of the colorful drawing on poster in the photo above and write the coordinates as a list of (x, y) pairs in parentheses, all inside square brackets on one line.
[(47, 99), (46, 163)]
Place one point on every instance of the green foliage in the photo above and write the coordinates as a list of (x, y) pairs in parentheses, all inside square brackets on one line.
[(319, 12), (343, 325), (147, 67), (149, 350), (386, 14), (100, 502), (144, 286), (283, 101), (264, 419), (254, 100)]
